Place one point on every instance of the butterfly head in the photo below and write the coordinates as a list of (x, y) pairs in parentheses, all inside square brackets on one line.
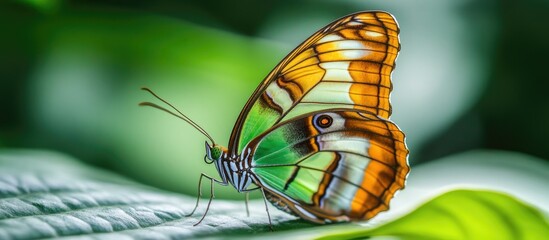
[(213, 153)]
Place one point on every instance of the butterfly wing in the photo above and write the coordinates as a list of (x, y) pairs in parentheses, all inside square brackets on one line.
[(346, 64), (329, 166)]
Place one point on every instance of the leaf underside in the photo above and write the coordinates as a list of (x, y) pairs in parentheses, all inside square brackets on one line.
[(47, 195)]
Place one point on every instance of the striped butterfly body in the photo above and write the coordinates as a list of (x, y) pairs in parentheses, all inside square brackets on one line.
[(315, 137)]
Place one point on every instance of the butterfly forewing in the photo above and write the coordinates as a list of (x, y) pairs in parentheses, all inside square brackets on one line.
[(336, 165), (347, 64)]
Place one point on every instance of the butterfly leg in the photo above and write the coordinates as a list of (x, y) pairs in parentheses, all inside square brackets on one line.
[(212, 180), (267, 208), (198, 197), (264, 200), (247, 200), (247, 191)]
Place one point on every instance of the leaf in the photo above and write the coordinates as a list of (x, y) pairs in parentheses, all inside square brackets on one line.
[(463, 214), (45, 195), (48, 195)]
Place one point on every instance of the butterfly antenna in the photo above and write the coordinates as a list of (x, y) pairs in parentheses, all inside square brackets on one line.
[(180, 116)]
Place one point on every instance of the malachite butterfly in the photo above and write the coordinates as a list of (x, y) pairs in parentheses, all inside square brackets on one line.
[(315, 136)]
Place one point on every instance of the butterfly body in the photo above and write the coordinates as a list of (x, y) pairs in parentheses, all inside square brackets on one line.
[(233, 170), (315, 136)]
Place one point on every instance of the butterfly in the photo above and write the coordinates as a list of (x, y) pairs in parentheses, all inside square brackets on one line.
[(315, 136)]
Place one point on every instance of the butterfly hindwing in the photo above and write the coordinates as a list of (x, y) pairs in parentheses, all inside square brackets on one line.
[(335, 165), (346, 64)]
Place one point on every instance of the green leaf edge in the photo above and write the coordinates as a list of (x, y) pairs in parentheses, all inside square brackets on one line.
[(478, 214)]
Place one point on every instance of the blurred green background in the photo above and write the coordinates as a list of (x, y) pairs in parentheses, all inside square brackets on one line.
[(469, 76)]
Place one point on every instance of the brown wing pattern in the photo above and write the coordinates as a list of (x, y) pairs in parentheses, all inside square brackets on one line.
[(331, 166), (347, 64)]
